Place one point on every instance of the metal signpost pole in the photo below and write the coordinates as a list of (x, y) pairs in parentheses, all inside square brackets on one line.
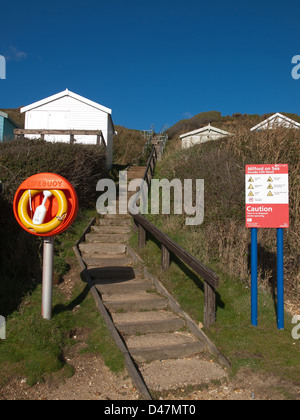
[(254, 287), (280, 280), (48, 260)]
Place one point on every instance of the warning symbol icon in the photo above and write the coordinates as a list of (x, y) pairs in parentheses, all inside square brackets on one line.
[(270, 187), (251, 187), (251, 194), (252, 180), (270, 194), (270, 179)]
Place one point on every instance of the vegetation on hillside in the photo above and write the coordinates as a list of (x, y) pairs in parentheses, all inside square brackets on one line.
[(223, 236), (35, 348), (193, 123), (128, 146), (223, 243), (230, 123), (16, 116), (20, 252)]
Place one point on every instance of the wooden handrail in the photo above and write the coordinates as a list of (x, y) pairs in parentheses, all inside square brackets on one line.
[(208, 275), (151, 166), (211, 280)]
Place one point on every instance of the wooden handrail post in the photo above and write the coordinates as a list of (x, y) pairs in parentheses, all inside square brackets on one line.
[(142, 237), (135, 226), (209, 305), (165, 258), (168, 246)]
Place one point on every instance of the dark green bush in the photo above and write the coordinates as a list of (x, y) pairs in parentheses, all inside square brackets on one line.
[(82, 165)]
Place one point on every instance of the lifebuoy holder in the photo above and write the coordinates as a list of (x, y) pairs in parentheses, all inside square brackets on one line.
[(62, 206)]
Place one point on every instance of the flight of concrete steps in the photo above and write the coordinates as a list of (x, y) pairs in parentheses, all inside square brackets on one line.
[(151, 330)]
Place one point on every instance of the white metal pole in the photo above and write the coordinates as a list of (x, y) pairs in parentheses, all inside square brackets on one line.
[(48, 259)]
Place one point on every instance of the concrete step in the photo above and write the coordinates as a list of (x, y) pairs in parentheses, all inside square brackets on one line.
[(111, 229), (136, 174), (92, 248), (132, 323), (114, 222), (141, 301), (163, 346), (114, 273), (117, 216), (193, 371), (107, 260), (136, 169), (108, 286), (107, 237), (130, 194)]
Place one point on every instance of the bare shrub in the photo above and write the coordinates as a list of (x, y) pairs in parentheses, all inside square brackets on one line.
[(128, 146), (223, 235)]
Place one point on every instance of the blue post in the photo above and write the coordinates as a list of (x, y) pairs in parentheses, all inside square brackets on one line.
[(280, 280), (254, 293)]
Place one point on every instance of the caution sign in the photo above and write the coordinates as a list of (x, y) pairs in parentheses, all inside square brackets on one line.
[(268, 205), (45, 204)]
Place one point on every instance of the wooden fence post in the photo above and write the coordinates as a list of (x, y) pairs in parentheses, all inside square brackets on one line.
[(142, 237), (135, 226), (165, 258), (209, 305)]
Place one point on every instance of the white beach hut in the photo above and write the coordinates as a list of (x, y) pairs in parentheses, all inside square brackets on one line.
[(202, 135), (69, 111), (276, 121)]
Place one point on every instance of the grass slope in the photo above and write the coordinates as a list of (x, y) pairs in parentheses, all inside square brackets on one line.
[(223, 243), (35, 348)]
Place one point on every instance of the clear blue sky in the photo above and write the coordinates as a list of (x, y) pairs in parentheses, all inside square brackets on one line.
[(153, 62)]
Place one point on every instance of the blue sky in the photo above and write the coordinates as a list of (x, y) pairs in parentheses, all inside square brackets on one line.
[(153, 62)]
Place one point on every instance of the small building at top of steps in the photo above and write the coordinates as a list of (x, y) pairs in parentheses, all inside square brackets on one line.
[(202, 135)]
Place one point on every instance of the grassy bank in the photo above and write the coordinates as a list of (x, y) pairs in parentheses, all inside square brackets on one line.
[(221, 164), (262, 349), (35, 349), (20, 263), (223, 243)]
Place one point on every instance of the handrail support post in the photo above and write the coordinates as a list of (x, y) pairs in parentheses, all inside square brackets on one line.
[(209, 305), (142, 236), (165, 258)]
